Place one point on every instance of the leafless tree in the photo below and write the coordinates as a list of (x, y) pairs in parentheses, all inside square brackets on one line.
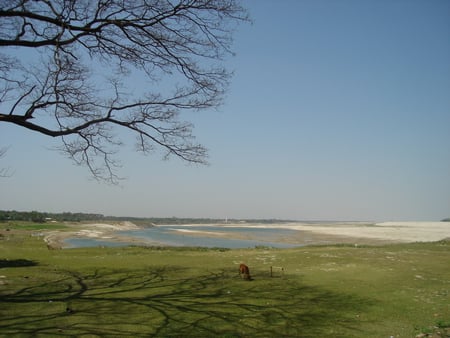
[(75, 69)]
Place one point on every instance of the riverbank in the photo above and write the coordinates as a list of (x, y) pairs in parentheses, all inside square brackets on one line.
[(103, 231), (316, 291), (304, 234)]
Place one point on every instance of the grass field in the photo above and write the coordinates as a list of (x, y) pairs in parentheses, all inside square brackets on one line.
[(318, 291)]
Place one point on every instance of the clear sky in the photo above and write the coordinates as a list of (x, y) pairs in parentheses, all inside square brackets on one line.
[(338, 110)]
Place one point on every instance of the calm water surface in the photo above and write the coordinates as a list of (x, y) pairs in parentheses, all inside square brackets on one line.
[(165, 235)]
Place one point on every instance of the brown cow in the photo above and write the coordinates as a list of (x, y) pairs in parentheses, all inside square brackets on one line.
[(244, 272)]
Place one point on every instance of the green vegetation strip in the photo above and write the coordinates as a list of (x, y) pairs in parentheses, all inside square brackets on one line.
[(324, 291)]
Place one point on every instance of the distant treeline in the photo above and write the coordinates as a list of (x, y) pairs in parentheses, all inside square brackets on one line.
[(41, 217)]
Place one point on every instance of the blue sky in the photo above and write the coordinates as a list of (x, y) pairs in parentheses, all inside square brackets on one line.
[(338, 110)]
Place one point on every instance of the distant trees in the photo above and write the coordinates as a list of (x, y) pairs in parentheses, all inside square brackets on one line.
[(32, 216), (36, 216), (86, 71)]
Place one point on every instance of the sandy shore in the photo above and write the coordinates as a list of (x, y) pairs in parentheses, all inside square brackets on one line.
[(402, 232), (305, 233), (110, 232)]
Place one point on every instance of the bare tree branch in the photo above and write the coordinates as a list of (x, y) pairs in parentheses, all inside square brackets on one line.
[(68, 70)]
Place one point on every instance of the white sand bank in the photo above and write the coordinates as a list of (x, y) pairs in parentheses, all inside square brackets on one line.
[(403, 232), (395, 231), (88, 230), (389, 231), (116, 227), (187, 231)]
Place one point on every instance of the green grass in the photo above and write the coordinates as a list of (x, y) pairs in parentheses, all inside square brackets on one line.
[(335, 291), (32, 226)]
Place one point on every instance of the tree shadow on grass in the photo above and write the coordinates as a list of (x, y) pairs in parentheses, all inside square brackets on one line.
[(16, 263), (170, 302)]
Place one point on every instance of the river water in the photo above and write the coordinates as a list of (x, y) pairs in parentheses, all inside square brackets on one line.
[(170, 235)]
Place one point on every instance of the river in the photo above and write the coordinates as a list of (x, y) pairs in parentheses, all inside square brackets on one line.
[(196, 236)]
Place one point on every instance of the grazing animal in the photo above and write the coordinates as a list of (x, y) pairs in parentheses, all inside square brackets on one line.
[(244, 272)]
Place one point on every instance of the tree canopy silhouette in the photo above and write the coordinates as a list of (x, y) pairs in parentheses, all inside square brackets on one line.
[(91, 72)]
